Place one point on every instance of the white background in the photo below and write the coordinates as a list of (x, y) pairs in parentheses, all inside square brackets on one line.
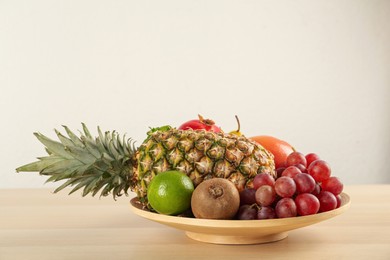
[(314, 73)]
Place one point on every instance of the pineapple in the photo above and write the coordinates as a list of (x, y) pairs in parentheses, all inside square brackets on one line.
[(111, 164)]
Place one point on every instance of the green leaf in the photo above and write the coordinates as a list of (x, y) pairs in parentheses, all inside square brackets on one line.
[(66, 184), (107, 189), (164, 128), (86, 131), (73, 137), (98, 187), (92, 185), (64, 140), (83, 182), (53, 146), (38, 165), (80, 154), (91, 147), (113, 150), (61, 166), (101, 139)]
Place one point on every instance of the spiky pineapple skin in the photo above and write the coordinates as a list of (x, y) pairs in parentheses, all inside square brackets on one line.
[(201, 155)]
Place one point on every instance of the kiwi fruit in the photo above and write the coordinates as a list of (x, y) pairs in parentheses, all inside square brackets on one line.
[(215, 198)]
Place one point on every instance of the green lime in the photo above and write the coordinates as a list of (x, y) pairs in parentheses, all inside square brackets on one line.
[(170, 192)]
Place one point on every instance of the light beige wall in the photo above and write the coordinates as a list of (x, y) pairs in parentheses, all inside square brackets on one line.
[(315, 73)]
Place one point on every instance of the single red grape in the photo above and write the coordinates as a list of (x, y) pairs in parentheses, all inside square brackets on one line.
[(338, 198), (304, 182), (333, 184), (291, 171), (320, 170), (263, 179), (247, 212), (266, 213), (307, 204), (247, 196), (285, 187), (327, 200), (265, 195), (286, 208), (311, 157), (301, 167), (296, 158)]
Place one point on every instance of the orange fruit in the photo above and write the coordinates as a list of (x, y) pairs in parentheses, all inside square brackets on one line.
[(170, 192), (279, 148)]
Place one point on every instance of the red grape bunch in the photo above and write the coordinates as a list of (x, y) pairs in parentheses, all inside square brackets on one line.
[(304, 187)]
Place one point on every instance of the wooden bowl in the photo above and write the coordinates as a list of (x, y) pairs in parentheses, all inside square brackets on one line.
[(239, 231)]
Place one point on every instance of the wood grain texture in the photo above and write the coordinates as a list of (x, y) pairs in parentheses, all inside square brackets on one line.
[(36, 224)]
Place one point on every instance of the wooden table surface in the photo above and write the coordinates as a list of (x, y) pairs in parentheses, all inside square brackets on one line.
[(36, 224)]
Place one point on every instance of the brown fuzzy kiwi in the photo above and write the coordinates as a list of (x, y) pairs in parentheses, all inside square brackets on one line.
[(215, 198)]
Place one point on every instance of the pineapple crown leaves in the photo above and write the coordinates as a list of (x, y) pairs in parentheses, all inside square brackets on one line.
[(104, 163)]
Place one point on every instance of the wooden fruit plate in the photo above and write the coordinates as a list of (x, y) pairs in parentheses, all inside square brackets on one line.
[(239, 231)]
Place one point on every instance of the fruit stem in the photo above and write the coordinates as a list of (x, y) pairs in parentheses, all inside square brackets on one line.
[(205, 121), (238, 123)]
